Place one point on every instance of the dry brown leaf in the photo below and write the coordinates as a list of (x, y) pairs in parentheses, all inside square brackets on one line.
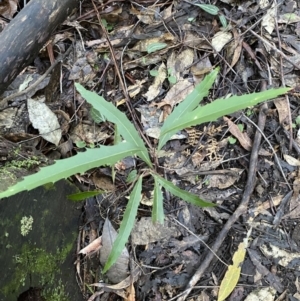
[(142, 46), (294, 211), (232, 275), (145, 232), (130, 293), (289, 18), (282, 109), (177, 64), (103, 182), (243, 138), (155, 88), (268, 20), (145, 15), (123, 284), (102, 43), (192, 40), (93, 247), (88, 133), (178, 92), (262, 294), (134, 90), (284, 258), (217, 216), (220, 39), (291, 160), (198, 157), (44, 120), (237, 47), (223, 181), (119, 271), (261, 208)]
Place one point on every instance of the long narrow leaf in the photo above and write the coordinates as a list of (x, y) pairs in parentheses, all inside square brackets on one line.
[(221, 107), (211, 9), (186, 106), (185, 195), (126, 225), (112, 114), (105, 155), (80, 196), (158, 208), (233, 273)]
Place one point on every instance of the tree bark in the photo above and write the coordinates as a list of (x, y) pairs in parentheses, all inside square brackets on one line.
[(27, 33)]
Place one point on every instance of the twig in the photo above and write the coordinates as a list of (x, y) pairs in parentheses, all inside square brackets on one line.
[(283, 84), (5, 100), (239, 211), (128, 104), (198, 238), (260, 38), (273, 151), (294, 143), (297, 66)]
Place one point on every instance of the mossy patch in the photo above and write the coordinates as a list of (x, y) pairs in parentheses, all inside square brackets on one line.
[(42, 259), (16, 169), (27, 163), (37, 263)]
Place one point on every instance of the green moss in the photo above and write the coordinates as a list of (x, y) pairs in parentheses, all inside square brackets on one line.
[(7, 175), (27, 164), (56, 294), (37, 263), (11, 171), (7, 179)]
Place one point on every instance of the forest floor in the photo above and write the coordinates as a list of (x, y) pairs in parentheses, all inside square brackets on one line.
[(145, 57)]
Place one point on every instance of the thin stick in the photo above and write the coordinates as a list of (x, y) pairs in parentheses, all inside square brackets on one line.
[(5, 100), (239, 211), (288, 107), (128, 104)]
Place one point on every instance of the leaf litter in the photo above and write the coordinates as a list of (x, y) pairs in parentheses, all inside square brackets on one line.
[(183, 43)]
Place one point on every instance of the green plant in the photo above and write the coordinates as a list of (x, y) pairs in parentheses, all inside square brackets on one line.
[(231, 140), (153, 73), (82, 144), (213, 10), (156, 47), (171, 78), (107, 25), (187, 113)]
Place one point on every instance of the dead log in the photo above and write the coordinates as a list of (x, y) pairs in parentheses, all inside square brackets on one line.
[(27, 33)]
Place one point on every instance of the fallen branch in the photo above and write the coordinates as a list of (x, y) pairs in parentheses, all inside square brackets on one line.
[(4, 101), (242, 208), (27, 33)]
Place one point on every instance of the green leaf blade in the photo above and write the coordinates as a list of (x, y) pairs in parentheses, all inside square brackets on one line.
[(80, 196), (126, 225), (112, 114), (158, 209), (222, 107), (156, 47), (131, 176), (186, 106), (185, 195), (80, 163), (209, 8), (223, 21)]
